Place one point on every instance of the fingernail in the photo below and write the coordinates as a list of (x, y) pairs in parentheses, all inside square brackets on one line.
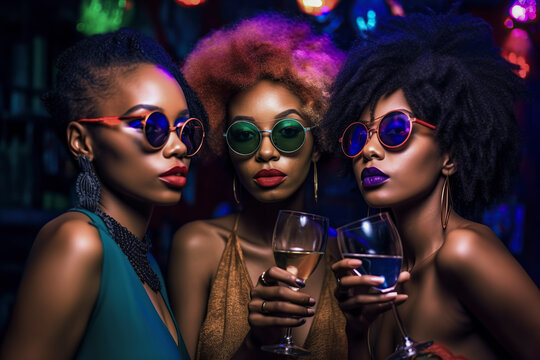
[(300, 282), (310, 311), (378, 279), (302, 321), (355, 262), (311, 301), (390, 294)]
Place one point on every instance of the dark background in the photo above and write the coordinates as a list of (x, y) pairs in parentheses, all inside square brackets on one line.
[(37, 176)]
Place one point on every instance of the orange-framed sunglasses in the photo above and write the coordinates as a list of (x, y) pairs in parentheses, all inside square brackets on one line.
[(393, 131), (156, 129)]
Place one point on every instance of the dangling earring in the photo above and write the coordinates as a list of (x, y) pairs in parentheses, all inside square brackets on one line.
[(234, 191), (315, 181), (87, 186), (446, 203)]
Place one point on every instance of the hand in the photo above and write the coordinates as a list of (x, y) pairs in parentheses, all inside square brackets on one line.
[(274, 304), (360, 303)]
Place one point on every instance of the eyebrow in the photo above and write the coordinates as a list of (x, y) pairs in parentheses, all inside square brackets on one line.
[(148, 107), (370, 121), (281, 115)]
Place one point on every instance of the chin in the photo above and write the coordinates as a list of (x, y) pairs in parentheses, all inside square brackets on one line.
[(168, 200)]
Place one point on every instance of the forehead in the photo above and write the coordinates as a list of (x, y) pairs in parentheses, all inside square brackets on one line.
[(385, 104), (263, 101), (143, 84)]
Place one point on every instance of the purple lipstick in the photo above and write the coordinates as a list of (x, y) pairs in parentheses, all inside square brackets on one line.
[(373, 177)]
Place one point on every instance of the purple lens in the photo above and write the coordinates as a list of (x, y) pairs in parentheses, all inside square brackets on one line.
[(354, 139), (394, 129), (157, 129), (192, 136)]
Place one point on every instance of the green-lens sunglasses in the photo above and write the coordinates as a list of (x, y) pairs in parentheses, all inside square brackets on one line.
[(287, 135)]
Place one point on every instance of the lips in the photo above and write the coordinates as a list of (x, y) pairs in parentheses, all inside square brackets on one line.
[(269, 177), (373, 177), (175, 176)]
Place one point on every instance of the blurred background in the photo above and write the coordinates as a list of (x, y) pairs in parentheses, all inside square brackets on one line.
[(37, 175)]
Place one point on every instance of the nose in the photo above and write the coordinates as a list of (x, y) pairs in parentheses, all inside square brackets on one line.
[(373, 147), (174, 146), (267, 151)]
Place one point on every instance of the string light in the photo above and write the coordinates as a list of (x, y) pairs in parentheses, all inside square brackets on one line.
[(523, 10), (190, 3), (317, 7)]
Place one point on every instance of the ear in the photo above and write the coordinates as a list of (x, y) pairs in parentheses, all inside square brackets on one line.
[(449, 166), (79, 140)]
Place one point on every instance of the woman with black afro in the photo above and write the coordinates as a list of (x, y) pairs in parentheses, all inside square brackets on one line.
[(91, 289), (424, 110)]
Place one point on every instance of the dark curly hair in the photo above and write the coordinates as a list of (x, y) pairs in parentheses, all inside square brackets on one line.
[(453, 77), (267, 46), (85, 69)]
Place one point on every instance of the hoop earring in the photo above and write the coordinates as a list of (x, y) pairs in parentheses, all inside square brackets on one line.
[(315, 181), (234, 191), (446, 203), (87, 186)]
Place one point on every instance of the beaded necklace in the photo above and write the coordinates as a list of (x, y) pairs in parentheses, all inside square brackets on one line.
[(135, 250)]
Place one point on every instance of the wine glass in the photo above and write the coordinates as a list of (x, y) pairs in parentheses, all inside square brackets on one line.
[(299, 241), (375, 241)]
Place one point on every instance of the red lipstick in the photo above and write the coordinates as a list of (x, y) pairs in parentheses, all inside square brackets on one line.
[(269, 177), (175, 176)]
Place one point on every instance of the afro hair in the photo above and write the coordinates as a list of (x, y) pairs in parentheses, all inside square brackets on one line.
[(453, 77), (268, 46)]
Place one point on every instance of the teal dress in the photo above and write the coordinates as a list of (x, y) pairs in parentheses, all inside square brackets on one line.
[(124, 324)]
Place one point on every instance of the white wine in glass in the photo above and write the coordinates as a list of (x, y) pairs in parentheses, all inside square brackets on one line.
[(299, 241), (375, 241)]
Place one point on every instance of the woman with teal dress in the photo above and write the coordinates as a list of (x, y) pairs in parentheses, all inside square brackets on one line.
[(91, 289)]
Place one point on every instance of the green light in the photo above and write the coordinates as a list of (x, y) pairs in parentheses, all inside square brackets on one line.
[(101, 16)]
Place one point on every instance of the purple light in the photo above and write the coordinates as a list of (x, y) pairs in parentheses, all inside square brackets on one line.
[(523, 10), (518, 13)]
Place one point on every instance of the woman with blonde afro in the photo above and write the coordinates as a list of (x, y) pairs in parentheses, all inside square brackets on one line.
[(265, 85)]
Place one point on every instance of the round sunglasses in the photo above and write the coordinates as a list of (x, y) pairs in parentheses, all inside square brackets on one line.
[(393, 131), (156, 129), (245, 138)]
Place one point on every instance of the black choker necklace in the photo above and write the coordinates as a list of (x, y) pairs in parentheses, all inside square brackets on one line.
[(134, 249)]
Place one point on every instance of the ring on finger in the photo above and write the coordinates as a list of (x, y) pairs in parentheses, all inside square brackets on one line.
[(263, 307), (263, 279)]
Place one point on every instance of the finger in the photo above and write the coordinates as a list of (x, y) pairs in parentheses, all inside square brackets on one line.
[(357, 301), (258, 319), (345, 266), (404, 276), (366, 281), (280, 308), (282, 293), (275, 274)]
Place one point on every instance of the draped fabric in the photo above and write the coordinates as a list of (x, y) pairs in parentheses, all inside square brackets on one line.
[(226, 323)]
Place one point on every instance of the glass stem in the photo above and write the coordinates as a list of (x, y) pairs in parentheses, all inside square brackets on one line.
[(399, 322), (287, 339)]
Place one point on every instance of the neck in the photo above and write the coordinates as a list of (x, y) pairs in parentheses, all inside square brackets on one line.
[(419, 225), (133, 215), (258, 218)]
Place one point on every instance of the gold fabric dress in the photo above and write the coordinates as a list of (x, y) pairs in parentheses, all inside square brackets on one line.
[(226, 323)]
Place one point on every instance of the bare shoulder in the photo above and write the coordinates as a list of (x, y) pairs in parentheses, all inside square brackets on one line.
[(203, 237), (70, 234), (471, 249)]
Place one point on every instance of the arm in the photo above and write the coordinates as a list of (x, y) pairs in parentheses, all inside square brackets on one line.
[(194, 257), (57, 292), (493, 287)]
